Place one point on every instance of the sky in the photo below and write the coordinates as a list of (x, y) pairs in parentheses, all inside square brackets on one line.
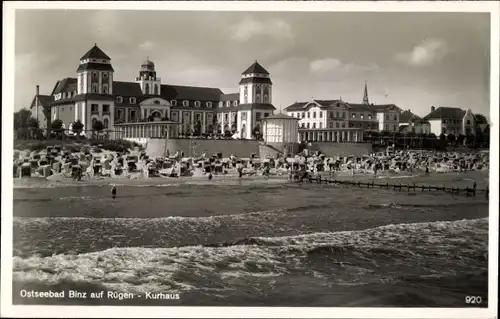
[(413, 60)]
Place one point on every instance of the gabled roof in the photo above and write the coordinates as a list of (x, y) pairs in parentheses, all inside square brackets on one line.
[(445, 113), (360, 107), (230, 97), (280, 116), (405, 116), (65, 85), (326, 102), (192, 93), (43, 100), (256, 68), (297, 106), (95, 53), (126, 89), (382, 107)]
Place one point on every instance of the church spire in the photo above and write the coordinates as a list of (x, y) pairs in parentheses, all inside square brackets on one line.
[(365, 95)]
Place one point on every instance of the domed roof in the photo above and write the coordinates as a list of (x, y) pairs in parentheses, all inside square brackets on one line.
[(148, 64)]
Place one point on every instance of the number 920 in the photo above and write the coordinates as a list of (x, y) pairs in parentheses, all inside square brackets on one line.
[(473, 299)]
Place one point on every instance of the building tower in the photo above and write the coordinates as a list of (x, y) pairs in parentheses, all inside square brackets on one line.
[(255, 85), (95, 85), (365, 95), (147, 79), (95, 73)]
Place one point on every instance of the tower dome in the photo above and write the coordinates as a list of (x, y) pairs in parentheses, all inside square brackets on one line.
[(147, 65)]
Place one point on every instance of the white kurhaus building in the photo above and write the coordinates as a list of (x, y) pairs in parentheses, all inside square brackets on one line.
[(146, 107)]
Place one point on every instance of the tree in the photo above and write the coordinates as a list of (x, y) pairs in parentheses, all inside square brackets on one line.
[(97, 126), (57, 126), (480, 119), (77, 127), (461, 139), (33, 123), (469, 139), (21, 119)]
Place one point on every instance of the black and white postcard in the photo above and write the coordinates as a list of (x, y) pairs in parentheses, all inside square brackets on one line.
[(250, 159)]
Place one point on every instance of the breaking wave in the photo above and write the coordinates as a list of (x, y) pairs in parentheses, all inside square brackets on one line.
[(380, 255)]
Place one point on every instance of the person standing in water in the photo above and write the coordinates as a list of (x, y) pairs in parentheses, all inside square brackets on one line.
[(113, 191)]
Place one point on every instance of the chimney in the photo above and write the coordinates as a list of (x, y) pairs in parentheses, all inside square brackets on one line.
[(433, 108), (37, 90)]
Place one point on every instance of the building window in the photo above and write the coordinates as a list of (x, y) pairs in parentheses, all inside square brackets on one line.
[(235, 103), (308, 115), (105, 123), (337, 125), (197, 104), (343, 125), (94, 75), (132, 100), (209, 104), (303, 115), (258, 116), (395, 127), (105, 109), (94, 108), (444, 121), (343, 114), (353, 115), (132, 115), (266, 94), (119, 99), (185, 103), (173, 102), (104, 89), (94, 87), (226, 117), (156, 89), (330, 125), (314, 115), (320, 125), (320, 114), (105, 75), (362, 116), (395, 117), (266, 114), (369, 116), (303, 125), (245, 94), (146, 90), (221, 104), (387, 117), (468, 122), (331, 115), (228, 103), (308, 125), (314, 125)]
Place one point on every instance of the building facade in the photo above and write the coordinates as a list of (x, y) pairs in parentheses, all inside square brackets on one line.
[(451, 120), (94, 95), (411, 123), (339, 121)]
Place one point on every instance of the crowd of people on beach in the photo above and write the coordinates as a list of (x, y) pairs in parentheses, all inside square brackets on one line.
[(98, 164)]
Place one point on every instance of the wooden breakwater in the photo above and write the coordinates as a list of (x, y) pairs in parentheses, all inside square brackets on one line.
[(465, 191)]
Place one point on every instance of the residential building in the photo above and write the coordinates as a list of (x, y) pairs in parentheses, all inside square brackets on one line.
[(411, 123), (451, 120)]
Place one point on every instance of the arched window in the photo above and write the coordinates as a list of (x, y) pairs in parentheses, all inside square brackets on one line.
[(104, 89), (132, 100), (185, 103), (209, 104), (266, 94), (119, 99), (235, 103), (174, 102), (245, 93), (221, 104), (94, 87), (197, 104), (105, 75), (156, 89), (94, 77), (105, 123), (228, 103), (146, 91)]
